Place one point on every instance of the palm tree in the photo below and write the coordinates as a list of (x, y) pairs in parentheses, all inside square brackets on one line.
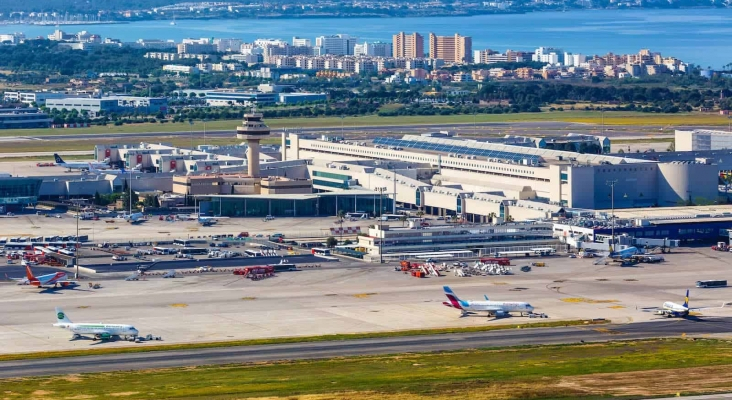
[(419, 214), (454, 218), (509, 219), (403, 219), (491, 216)]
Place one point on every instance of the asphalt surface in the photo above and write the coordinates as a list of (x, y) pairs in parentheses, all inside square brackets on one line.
[(18, 271), (202, 261), (394, 345), (538, 127)]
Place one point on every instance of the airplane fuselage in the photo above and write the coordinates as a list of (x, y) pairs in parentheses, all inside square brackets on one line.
[(672, 309), (491, 307), (98, 330)]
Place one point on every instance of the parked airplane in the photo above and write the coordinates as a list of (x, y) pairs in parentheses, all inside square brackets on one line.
[(133, 218), (208, 221), (493, 308), (49, 280), (79, 165), (121, 171), (98, 331), (674, 310)]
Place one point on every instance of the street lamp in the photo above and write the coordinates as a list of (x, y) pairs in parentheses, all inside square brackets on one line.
[(190, 121), (381, 191)]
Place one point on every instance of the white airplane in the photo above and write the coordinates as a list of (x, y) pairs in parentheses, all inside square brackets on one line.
[(134, 218), (98, 331), (674, 310), (493, 308), (208, 221), (121, 171), (80, 165)]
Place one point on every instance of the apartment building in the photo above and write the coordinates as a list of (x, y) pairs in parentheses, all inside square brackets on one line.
[(453, 49), (408, 45), (340, 45)]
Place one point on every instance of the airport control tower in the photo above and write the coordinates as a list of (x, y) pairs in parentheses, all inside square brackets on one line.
[(253, 130)]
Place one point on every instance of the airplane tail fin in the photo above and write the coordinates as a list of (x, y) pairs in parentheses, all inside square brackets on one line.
[(61, 316), (58, 159), (29, 274), (454, 300), (686, 299)]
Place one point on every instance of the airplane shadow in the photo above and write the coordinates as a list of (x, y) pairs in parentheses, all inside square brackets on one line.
[(60, 290)]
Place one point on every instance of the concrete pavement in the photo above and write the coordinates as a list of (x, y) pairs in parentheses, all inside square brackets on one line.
[(393, 345)]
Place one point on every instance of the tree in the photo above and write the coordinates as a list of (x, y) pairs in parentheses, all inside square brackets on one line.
[(331, 242), (420, 214), (348, 242), (403, 220), (671, 147), (509, 219), (491, 216)]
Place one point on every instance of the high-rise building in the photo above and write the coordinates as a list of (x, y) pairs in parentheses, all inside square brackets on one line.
[(298, 41), (227, 45), (338, 45), (456, 49), (373, 49), (408, 46)]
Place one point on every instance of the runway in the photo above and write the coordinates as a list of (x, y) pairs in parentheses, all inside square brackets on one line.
[(530, 128), (297, 351)]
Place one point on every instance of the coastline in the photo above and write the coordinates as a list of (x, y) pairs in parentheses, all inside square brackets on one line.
[(234, 17)]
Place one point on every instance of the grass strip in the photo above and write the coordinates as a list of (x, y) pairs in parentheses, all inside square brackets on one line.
[(631, 369), (286, 340)]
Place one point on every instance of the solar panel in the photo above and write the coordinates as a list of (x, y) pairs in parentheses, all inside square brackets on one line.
[(464, 150)]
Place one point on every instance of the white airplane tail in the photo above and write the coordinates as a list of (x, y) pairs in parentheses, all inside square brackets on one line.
[(61, 317)]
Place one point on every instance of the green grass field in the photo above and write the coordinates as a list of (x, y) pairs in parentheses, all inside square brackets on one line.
[(589, 117), (627, 369), (295, 339)]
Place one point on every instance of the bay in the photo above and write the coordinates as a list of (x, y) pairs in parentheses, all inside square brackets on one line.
[(699, 36)]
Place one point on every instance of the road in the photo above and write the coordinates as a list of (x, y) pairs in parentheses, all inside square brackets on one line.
[(296, 351), (202, 261)]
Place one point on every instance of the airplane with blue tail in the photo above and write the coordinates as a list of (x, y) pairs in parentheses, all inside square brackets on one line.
[(675, 310)]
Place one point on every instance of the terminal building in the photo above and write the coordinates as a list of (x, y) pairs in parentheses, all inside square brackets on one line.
[(447, 176), (392, 242), (17, 193)]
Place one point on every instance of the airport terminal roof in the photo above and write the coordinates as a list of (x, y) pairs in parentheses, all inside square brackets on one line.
[(293, 196), (502, 151), (671, 213)]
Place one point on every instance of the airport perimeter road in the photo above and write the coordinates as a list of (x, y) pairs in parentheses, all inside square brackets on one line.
[(202, 261), (393, 345)]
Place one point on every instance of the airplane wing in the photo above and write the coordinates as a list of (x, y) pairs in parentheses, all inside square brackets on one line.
[(724, 304), (488, 308)]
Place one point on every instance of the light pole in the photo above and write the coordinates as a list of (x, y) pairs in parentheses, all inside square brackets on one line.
[(76, 253), (204, 131), (602, 115), (190, 121), (612, 183), (381, 191)]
